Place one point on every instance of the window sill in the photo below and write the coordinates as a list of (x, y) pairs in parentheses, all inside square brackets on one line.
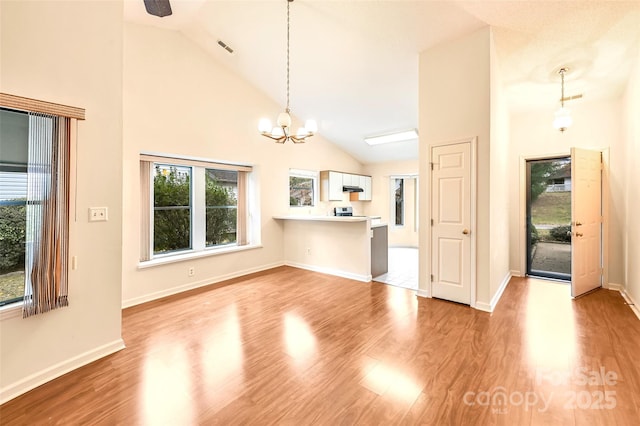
[(13, 310), (196, 255)]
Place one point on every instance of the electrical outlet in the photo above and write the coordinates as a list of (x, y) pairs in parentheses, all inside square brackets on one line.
[(98, 214), (192, 271)]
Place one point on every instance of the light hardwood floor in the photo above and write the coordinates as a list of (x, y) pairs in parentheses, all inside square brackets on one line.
[(296, 347)]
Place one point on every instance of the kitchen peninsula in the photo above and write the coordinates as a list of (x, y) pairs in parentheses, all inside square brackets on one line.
[(330, 244)]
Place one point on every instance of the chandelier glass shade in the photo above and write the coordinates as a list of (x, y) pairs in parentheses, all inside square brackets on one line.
[(281, 133)]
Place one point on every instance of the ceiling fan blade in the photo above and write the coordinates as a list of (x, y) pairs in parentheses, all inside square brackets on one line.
[(158, 8)]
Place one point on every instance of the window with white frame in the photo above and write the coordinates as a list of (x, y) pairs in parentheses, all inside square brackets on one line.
[(172, 208), (303, 188), (14, 145), (192, 206), (35, 202), (398, 200)]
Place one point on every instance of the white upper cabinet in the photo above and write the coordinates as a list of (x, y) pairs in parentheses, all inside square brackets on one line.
[(336, 180), (365, 184), (331, 184)]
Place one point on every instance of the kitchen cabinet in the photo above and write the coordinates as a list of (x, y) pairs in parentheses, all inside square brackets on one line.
[(331, 185), (379, 250), (348, 179), (364, 182)]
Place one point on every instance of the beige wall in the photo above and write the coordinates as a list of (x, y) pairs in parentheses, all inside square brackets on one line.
[(454, 104), (381, 200), (178, 100), (337, 248), (596, 125), (499, 174), (71, 53), (631, 205)]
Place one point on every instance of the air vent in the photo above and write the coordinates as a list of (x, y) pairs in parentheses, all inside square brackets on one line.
[(226, 47)]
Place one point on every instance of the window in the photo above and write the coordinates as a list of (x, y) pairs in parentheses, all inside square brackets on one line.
[(398, 196), (222, 207), (191, 206), (302, 188), (35, 146), (14, 142), (171, 208)]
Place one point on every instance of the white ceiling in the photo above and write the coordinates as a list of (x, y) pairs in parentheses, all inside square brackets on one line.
[(354, 64)]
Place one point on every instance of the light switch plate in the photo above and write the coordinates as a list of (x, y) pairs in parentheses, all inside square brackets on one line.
[(98, 214)]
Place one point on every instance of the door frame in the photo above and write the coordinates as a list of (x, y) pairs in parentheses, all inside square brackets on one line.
[(473, 165), (522, 211)]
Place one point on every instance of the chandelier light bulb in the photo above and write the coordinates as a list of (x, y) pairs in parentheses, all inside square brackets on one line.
[(562, 119), (284, 119), (264, 125), (277, 132), (311, 126)]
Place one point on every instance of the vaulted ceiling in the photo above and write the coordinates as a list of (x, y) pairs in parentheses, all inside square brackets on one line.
[(354, 64)]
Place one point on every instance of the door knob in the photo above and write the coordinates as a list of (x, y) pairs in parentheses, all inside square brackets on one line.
[(465, 231), (578, 234), (578, 223)]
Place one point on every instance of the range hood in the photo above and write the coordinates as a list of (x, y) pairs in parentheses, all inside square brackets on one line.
[(349, 188)]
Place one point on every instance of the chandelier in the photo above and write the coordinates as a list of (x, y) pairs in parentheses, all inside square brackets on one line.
[(562, 118), (282, 132)]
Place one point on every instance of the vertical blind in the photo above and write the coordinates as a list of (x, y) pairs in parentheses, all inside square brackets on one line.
[(48, 200), (47, 239)]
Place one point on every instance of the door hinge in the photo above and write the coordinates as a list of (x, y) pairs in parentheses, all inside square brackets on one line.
[(431, 277), (431, 222), (431, 166)]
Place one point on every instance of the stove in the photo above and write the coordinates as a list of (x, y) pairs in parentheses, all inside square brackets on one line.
[(343, 211)]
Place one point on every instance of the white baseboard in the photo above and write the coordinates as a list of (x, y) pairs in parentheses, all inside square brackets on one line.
[(614, 286), (190, 286), (330, 271), (423, 293), (503, 285), (632, 303), (489, 307), (515, 273), (34, 380), (485, 307)]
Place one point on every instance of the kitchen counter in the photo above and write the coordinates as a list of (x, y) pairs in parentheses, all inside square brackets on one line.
[(375, 220), (324, 218), (336, 245)]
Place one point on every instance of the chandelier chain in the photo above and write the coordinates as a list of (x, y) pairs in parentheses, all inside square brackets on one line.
[(288, 109)]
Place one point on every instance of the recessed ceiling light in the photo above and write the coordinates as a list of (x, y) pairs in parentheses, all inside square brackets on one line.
[(404, 135)]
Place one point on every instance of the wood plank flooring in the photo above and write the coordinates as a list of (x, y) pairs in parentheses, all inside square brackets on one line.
[(294, 347)]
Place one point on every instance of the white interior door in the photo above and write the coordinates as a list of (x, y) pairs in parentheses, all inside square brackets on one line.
[(586, 220), (451, 222)]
